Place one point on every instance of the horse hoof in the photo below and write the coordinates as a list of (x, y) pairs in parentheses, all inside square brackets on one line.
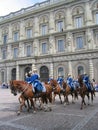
[(18, 113), (34, 112), (50, 109)]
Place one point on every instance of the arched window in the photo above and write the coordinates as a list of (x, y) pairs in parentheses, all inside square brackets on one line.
[(14, 74), (61, 71), (44, 73), (80, 70), (27, 69)]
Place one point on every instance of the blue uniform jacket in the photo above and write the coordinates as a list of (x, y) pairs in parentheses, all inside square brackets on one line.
[(34, 77), (28, 79)]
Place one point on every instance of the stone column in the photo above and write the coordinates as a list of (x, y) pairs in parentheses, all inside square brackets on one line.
[(69, 42), (88, 13), (0, 36), (51, 69), (36, 26), (89, 39), (8, 74), (17, 71), (10, 38), (9, 56), (51, 23), (36, 47), (70, 67), (52, 48), (68, 19), (22, 30), (21, 49), (91, 69)]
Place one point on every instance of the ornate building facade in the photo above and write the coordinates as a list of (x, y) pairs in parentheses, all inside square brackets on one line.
[(57, 36)]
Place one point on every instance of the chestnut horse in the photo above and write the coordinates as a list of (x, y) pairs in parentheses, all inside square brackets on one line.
[(26, 91), (68, 90), (83, 91), (57, 90)]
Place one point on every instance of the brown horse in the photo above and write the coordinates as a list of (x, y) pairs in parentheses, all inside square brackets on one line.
[(68, 90), (83, 91), (57, 90), (26, 91)]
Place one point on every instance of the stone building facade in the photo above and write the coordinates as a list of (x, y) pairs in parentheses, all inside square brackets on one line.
[(57, 36)]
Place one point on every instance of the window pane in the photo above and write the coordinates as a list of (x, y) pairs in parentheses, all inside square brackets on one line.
[(16, 36), (29, 33), (60, 72), (15, 52), (60, 25), (96, 18), (29, 50), (78, 22), (60, 45), (80, 70), (5, 39), (4, 54), (44, 29), (44, 48), (79, 42)]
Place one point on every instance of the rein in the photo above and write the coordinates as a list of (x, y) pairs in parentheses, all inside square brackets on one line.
[(25, 89)]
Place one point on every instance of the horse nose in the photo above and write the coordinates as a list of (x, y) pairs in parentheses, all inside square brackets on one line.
[(15, 94)]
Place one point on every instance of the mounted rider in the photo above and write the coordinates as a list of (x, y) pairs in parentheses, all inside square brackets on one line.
[(27, 77), (70, 82), (87, 82), (50, 78), (60, 80), (35, 81)]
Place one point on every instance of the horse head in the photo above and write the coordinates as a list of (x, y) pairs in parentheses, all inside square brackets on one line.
[(12, 87)]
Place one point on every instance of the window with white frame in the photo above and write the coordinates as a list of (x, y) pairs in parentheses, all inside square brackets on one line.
[(80, 70), (44, 29), (15, 52), (79, 42), (60, 45), (78, 22), (5, 39), (4, 54), (29, 33), (44, 48), (16, 36), (60, 26), (28, 50), (97, 18), (61, 72)]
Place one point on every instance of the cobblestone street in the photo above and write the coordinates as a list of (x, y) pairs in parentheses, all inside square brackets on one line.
[(61, 117)]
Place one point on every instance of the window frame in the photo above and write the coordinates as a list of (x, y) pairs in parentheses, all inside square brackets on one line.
[(16, 36), (59, 48), (45, 48), (15, 52)]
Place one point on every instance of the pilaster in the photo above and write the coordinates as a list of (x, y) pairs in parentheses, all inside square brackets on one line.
[(91, 69), (17, 72)]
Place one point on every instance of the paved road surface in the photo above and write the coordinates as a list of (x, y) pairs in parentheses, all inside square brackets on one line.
[(60, 118)]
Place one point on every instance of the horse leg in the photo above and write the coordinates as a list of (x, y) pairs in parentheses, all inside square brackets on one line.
[(32, 104), (53, 100), (83, 102), (60, 98), (92, 94), (22, 103), (72, 98), (88, 98), (66, 99)]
